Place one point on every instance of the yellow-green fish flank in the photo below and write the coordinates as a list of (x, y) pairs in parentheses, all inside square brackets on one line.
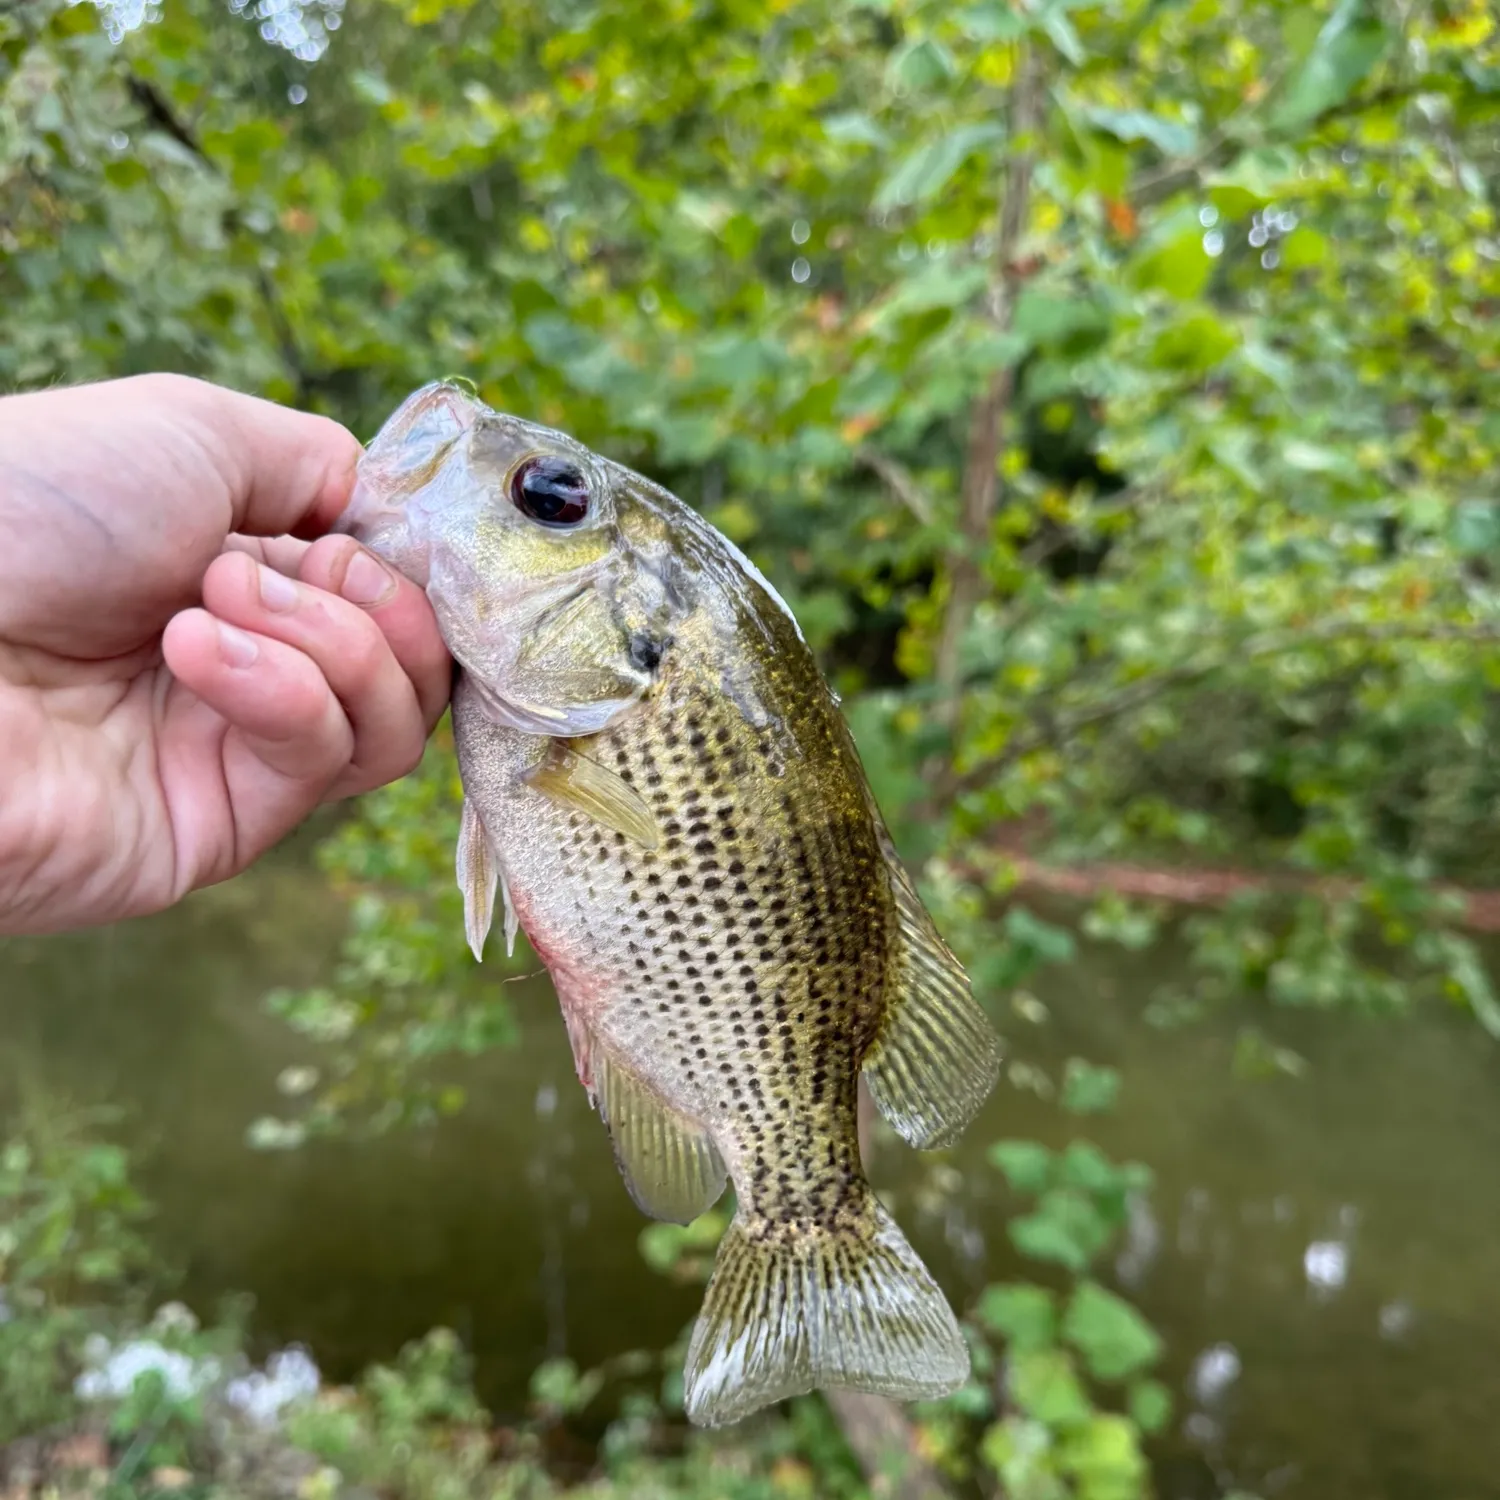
[(661, 786)]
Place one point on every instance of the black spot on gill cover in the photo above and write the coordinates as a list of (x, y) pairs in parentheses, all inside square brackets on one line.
[(646, 651)]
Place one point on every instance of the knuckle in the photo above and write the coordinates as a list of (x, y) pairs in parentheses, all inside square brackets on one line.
[(411, 754), (164, 387), (326, 558), (364, 657)]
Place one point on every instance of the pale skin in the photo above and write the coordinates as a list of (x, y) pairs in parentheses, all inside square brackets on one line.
[(189, 663)]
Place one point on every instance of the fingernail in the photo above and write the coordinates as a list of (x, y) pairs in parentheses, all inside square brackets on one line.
[(367, 582), (237, 648), (276, 592)]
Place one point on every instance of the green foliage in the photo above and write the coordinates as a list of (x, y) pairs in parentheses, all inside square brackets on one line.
[(69, 1216), (70, 1247), (155, 1427), (155, 1410), (1053, 1440), (406, 993)]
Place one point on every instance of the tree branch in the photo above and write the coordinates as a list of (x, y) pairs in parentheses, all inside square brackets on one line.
[(1154, 187), (981, 477), (1062, 727), (158, 110), (898, 480)]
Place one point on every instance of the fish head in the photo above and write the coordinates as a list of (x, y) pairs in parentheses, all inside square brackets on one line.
[(514, 532)]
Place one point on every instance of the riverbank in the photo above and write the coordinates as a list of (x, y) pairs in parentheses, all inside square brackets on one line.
[(1478, 907)]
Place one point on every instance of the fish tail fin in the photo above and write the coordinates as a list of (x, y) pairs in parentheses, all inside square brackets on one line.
[(795, 1308)]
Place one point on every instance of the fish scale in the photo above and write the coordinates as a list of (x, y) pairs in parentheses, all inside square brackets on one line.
[(767, 988), (660, 783), (766, 955)]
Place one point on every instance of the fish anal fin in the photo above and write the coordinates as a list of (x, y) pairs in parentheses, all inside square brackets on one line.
[(574, 781), (478, 877), (936, 1056), (825, 1307), (669, 1162)]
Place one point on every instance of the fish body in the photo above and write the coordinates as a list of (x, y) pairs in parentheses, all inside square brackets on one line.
[(661, 784)]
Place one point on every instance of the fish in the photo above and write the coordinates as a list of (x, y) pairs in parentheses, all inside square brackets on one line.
[(661, 790)]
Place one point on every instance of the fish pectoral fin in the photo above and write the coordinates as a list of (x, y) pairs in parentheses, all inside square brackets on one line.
[(669, 1162), (848, 1305), (936, 1057), (574, 781), (478, 877)]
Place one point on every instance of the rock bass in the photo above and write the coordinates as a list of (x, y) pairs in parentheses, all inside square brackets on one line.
[(661, 788)]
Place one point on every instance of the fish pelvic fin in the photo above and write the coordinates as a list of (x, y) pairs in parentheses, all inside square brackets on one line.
[(796, 1308), (936, 1056), (478, 877)]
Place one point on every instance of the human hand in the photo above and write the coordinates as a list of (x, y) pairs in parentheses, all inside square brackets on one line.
[(186, 671)]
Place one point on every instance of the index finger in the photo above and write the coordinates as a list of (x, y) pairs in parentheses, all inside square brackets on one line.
[(286, 472)]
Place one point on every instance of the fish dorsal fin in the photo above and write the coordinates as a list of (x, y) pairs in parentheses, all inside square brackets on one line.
[(936, 1057), (669, 1162), (478, 877), (573, 780)]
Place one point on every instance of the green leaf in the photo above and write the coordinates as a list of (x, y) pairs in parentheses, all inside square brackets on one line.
[(1083, 1165), (1172, 258), (1170, 137), (1043, 317), (1468, 976), (1304, 248), (558, 1384), (1253, 178), (854, 128), (1087, 1089), (1104, 1456), (1195, 343), (1027, 1164), (1044, 1384), (370, 87), (1475, 530), (1150, 1405), (1043, 942), (1352, 41), (931, 287), (1019, 1450), (1316, 458), (922, 65), (1026, 1315), (924, 172), (1066, 1229), (1113, 1338), (1059, 31), (993, 21)]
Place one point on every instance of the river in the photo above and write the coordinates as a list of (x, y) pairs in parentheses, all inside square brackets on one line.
[(1319, 1253)]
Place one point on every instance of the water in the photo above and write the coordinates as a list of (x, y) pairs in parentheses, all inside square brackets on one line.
[(1319, 1254)]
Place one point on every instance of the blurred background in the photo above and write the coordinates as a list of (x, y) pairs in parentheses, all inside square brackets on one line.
[(1113, 390)]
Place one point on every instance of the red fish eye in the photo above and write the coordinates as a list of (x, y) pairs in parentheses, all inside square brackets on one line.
[(550, 490)]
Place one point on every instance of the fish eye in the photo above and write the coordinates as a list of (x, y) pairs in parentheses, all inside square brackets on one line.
[(550, 490)]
